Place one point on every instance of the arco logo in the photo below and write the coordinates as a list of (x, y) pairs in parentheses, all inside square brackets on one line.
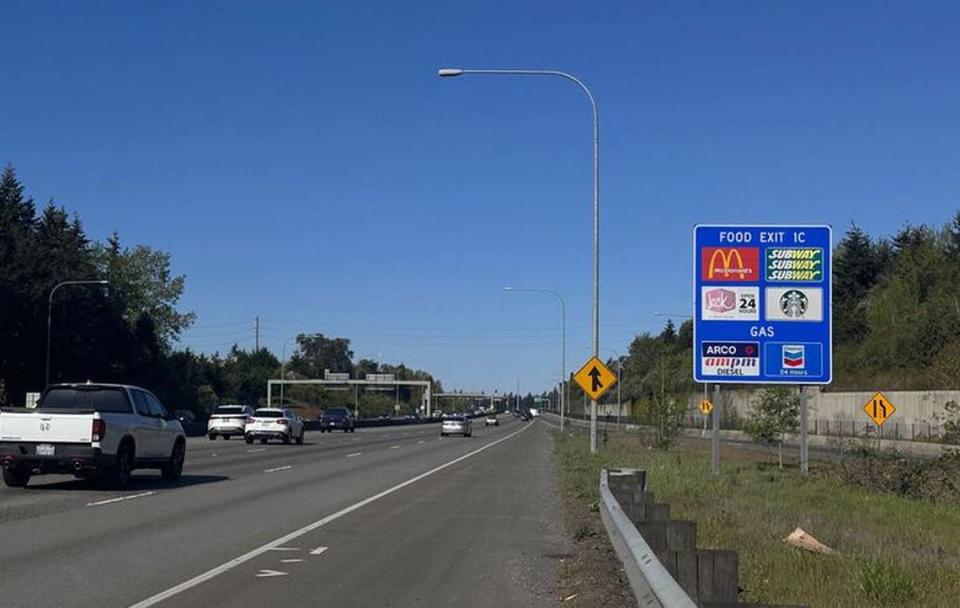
[(730, 264)]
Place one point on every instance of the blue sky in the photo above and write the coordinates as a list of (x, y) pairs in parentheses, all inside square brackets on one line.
[(302, 162)]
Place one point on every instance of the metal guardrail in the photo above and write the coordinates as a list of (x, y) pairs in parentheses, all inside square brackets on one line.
[(652, 584)]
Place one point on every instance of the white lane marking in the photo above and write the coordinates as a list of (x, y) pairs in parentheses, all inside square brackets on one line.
[(270, 573), (421, 441), (295, 560), (394, 447), (227, 566), (255, 450), (354, 454), (318, 550), (119, 499), (283, 549), (275, 469)]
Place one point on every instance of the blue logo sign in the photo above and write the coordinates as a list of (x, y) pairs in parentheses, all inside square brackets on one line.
[(762, 304)]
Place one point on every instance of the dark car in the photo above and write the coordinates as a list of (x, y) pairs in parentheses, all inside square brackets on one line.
[(337, 418), (525, 416), (184, 416)]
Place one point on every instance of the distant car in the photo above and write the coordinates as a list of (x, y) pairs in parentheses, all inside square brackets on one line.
[(275, 423), (184, 416), (491, 420), (534, 412), (456, 424), (525, 416), (228, 421), (337, 418)]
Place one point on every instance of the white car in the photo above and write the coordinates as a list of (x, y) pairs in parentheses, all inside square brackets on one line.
[(491, 420), (456, 424), (534, 412), (91, 430), (275, 423), (228, 421)]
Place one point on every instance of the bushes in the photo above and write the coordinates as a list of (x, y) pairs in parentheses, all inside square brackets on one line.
[(937, 480)]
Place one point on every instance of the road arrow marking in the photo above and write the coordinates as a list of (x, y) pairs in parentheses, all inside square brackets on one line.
[(318, 550), (270, 573)]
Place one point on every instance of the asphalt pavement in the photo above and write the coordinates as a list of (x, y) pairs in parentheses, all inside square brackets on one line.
[(392, 516)]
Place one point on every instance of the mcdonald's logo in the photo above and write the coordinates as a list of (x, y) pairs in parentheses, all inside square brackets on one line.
[(730, 264)]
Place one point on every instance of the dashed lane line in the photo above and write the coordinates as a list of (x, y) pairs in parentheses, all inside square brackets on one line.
[(119, 499)]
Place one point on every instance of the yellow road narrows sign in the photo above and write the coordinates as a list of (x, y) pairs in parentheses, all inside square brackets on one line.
[(879, 409), (706, 406), (595, 378)]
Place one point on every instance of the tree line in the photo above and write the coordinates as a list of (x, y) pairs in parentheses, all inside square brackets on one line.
[(126, 331)]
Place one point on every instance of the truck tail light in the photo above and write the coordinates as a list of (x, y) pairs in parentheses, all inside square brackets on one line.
[(282, 421), (98, 430)]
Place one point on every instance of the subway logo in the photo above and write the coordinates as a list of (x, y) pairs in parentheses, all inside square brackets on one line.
[(794, 264)]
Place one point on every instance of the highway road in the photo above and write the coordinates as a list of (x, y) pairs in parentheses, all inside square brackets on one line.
[(392, 516)]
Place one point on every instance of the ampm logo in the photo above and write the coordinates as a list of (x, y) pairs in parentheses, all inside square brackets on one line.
[(730, 263)]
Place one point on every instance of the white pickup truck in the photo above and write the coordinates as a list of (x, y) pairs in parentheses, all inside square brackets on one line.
[(91, 430)]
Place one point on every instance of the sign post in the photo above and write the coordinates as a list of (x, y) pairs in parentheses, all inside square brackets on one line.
[(762, 309), (879, 409), (715, 441)]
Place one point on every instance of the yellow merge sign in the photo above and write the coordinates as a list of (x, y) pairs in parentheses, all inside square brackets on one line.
[(595, 378), (706, 406), (879, 409)]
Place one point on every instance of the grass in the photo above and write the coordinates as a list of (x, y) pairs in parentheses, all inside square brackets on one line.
[(893, 551)]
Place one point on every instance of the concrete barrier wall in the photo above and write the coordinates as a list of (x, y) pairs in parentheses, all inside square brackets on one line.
[(913, 407)]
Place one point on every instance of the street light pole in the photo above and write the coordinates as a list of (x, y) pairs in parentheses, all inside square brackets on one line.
[(563, 347), (619, 381), (595, 342), (46, 377)]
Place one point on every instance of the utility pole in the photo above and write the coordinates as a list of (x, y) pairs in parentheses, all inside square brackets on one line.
[(258, 334)]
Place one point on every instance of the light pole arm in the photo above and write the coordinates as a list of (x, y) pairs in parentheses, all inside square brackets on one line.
[(596, 177), (46, 376)]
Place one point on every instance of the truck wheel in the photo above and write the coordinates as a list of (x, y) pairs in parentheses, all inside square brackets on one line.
[(16, 477), (248, 438), (174, 469), (286, 438), (119, 477), (263, 440), (226, 437), (300, 438), (212, 436)]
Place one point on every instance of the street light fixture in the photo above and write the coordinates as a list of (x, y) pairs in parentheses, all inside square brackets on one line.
[(595, 342), (565, 393), (46, 379)]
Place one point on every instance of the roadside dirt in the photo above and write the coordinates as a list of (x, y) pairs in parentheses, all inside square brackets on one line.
[(591, 576)]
